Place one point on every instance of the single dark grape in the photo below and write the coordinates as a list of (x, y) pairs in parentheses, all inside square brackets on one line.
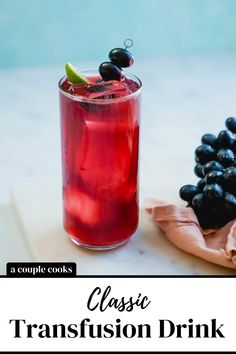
[(225, 140), (198, 170), (187, 192), (205, 153), (230, 175), (225, 157), (212, 166), (214, 177), (109, 71), (198, 201), (210, 139), (213, 193), (231, 124), (121, 57)]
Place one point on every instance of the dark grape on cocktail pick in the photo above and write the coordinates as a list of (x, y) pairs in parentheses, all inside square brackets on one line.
[(121, 57), (210, 139), (205, 153), (109, 71), (231, 124)]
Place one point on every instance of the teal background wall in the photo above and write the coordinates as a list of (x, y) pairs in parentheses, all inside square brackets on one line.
[(47, 32)]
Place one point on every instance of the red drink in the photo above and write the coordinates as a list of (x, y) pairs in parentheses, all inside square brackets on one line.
[(100, 138)]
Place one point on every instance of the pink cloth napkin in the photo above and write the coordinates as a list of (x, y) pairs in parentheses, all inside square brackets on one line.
[(181, 227)]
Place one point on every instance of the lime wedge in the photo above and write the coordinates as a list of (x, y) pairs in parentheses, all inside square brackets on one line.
[(74, 76)]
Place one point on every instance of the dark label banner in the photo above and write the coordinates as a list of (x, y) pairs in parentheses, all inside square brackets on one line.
[(41, 270)]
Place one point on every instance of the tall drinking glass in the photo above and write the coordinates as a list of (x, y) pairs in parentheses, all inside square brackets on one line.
[(100, 144)]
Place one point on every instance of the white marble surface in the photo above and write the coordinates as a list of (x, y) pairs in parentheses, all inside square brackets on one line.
[(183, 97)]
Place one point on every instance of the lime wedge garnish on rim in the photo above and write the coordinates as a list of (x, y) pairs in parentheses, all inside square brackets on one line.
[(74, 76)]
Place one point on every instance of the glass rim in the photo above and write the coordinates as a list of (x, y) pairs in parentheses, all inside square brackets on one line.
[(103, 100)]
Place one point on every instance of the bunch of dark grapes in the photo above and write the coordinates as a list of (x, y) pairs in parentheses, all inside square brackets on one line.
[(214, 197)]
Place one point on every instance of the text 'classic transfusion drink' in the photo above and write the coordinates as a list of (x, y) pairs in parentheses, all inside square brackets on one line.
[(100, 144)]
